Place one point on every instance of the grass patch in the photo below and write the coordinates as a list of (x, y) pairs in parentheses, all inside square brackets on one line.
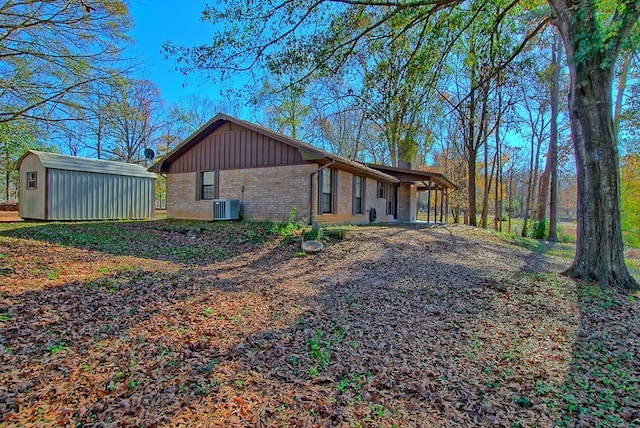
[(634, 268), (56, 348), (185, 241)]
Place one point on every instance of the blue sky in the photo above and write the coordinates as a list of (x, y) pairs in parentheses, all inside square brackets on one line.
[(156, 21)]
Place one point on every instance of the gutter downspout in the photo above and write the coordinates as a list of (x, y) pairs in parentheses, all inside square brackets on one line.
[(312, 214)]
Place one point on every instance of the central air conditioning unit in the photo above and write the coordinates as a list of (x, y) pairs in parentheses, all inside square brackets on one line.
[(226, 209)]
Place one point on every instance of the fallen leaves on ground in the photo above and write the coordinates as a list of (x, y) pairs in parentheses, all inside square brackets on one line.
[(193, 324)]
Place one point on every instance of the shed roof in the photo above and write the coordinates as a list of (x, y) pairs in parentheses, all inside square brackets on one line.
[(75, 163), (308, 152)]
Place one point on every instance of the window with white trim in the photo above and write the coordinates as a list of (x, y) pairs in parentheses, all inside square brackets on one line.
[(208, 185), (32, 180)]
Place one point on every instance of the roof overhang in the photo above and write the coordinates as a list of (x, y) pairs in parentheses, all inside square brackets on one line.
[(422, 179), (356, 168)]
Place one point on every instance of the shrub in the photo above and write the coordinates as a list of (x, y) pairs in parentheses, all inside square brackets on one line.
[(541, 229), (315, 234), (563, 236), (286, 230)]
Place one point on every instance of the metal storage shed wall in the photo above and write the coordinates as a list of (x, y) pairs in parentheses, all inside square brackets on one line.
[(32, 201), (88, 189)]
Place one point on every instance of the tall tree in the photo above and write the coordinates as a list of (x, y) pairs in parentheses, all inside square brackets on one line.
[(548, 191), (134, 121), (285, 106), (97, 126), (535, 112), (348, 133), (197, 109), (449, 157), (16, 137), (594, 34), (185, 117), (400, 69), (484, 46)]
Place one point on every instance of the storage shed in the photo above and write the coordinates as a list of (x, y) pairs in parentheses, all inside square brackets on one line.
[(60, 187)]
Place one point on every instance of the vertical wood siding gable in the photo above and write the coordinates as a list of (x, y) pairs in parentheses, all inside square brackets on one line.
[(236, 150)]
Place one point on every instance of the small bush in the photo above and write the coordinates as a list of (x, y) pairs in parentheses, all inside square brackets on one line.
[(541, 229), (315, 234), (563, 236), (288, 230)]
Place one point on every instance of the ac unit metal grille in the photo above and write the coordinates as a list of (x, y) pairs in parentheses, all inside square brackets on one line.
[(226, 209)]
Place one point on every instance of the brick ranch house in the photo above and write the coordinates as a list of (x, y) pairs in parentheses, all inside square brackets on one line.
[(272, 174)]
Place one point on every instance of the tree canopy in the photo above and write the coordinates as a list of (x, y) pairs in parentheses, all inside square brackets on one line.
[(51, 51)]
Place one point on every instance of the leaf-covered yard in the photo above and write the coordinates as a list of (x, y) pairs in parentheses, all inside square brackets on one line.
[(208, 324)]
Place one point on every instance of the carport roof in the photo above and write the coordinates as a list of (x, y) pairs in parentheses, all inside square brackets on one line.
[(415, 176)]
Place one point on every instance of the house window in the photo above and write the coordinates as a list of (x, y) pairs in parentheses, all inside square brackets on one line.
[(390, 199), (358, 194), (32, 180), (327, 191), (208, 187), (381, 190)]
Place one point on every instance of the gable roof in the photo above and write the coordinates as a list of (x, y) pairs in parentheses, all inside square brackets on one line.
[(307, 151), (75, 163)]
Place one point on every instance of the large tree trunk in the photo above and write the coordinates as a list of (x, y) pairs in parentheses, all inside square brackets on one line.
[(471, 185), (486, 188), (527, 202), (497, 210), (545, 178), (543, 190), (510, 202), (556, 56), (599, 250), (8, 183), (472, 150)]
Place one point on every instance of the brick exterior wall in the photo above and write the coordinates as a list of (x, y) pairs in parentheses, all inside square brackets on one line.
[(344, 212), (270, 194), (181, 198), (407, 203)]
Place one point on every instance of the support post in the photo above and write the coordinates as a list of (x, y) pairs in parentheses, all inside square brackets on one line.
[(435, 206), (446, 209), (441, 202), (429, 201)]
